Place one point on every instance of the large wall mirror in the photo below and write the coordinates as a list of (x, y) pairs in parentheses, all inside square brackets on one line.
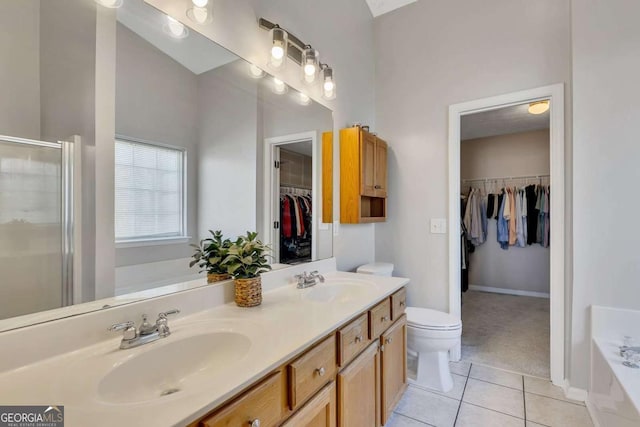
[(189, 136)]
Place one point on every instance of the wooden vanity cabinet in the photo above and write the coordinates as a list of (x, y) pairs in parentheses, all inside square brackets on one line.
[(359, 390), (393, 362), (355, 376), (363, 177)]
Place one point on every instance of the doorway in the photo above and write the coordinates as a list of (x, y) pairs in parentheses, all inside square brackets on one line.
[(555, 95), (291, 195)]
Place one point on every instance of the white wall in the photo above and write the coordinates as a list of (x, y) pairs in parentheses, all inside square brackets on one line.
[(343, 33), (430, 55), (520, 154), (20, 70), (168, 116), (227, 151), (606, 66)]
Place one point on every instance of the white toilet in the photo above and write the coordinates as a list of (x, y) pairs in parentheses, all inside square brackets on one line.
[(430, 335)]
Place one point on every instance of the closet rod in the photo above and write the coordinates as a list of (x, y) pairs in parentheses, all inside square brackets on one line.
[(506, 178)]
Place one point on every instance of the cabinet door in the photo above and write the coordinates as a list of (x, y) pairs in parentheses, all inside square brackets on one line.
[(359, 390), (318, 412), (393, 356), (380, 172), (367, 164)]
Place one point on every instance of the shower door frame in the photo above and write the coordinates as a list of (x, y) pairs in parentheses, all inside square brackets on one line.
[(69, 156)]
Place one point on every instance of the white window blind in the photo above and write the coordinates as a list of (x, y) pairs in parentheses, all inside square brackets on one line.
[(149, 191)]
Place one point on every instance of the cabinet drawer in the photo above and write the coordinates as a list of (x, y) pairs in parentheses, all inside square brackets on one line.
[(398, 303), (263, 402), (379, 318), (319, 412), (311, 371), (352, 339)]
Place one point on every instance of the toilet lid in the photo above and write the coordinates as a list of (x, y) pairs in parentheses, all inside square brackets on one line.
[(425, 318)]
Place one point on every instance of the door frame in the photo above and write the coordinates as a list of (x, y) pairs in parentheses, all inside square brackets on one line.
[(555, 93), (271, 187)]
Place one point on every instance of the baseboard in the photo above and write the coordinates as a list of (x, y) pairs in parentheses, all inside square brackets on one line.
[(593, 414), (508, 291), (574, 393)]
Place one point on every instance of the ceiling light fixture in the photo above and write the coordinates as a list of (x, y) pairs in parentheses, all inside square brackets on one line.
[(111, 4), (175, 28), (285, 45), (539, 107), (309, 64), (256, 72), (201, 12), (279, 47), (279, 87), (328, 84)]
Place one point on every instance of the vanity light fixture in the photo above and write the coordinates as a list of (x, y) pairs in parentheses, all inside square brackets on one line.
[(328, 84), (201, 12), (539, 107), (286, 45), (279, 87), (310, 64), (111, 4), (279, 47), (175, 28), (256, 72)]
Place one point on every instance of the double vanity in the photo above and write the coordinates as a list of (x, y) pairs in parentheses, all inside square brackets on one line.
[(329, 354)]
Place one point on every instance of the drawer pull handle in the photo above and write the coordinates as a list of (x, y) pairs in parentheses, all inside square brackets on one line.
[(389, 340), (402, 303), (385, 319), (359, 338), (377, 187), (255, 423), (320, 371)]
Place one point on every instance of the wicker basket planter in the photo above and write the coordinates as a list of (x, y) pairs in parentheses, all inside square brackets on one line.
[(248, 292), (217, 277)]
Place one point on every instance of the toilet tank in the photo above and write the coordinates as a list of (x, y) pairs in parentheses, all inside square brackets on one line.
[(377, 269)]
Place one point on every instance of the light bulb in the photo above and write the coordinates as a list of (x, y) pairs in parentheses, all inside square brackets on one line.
[(256, 71), (176, 28), (277, 52), (200, 3), (309, 69), (304, 99), (279, 86), (200, 14), (328, 86)]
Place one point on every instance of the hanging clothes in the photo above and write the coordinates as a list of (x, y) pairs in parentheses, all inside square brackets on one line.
[(295, 227), (532, 214), (503, 223), (520, 229)]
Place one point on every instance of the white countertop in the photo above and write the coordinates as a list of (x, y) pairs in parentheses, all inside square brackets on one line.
[(284, 325)]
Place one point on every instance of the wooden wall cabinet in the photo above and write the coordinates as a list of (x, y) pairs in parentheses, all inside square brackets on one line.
[(363, 177)]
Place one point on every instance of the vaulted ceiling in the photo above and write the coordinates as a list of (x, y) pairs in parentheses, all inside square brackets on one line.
[(380, 7)]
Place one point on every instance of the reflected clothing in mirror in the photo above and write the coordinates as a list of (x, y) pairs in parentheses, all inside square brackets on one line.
[(296, 225)]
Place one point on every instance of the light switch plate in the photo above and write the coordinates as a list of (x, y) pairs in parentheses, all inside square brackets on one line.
[(438, 226), (336, 228)]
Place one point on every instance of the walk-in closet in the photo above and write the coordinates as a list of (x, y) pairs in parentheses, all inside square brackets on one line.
[(505, 239)]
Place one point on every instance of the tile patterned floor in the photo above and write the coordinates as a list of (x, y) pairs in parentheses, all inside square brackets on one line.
[(488, 397)]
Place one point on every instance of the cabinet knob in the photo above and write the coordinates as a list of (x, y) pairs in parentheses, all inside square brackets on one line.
[(255, 423), (320, 371), (402, 303), (377, 187), (389, 340), (385, 319), (359, 338)]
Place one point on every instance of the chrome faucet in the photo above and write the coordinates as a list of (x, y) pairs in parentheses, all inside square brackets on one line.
[(146, 333), (306, 280)]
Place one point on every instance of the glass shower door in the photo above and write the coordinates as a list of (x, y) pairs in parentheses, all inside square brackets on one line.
[(34, 226)]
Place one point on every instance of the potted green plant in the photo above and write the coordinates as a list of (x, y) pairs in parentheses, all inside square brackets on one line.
[(209, 256), (245, 260)]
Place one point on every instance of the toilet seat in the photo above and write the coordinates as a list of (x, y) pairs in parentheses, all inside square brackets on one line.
[(432, 320)]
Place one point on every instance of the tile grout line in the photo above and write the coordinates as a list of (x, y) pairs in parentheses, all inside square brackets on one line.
[(559, 400), (464, 389), (493, 410), (414, 419), (524, 402), (501, 385)]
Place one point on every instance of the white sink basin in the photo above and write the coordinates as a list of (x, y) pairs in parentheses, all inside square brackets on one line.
[(336, 291), (171, 365)]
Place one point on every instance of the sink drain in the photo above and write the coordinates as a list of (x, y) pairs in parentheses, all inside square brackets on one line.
[(169, 391)]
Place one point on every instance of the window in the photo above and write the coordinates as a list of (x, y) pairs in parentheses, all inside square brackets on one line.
[(149, 191)]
